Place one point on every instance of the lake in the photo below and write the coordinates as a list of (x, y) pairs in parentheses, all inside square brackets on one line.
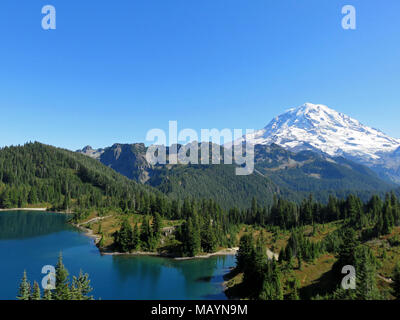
[(30, 240)]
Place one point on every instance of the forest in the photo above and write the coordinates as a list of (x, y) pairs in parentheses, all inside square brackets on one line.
[(365, 235), (303, 234), (62, 288)]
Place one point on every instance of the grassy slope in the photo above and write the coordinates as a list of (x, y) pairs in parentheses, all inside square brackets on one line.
[(316, 278), (111, 223)]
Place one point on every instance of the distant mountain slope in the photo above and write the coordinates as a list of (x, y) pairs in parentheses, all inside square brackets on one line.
[(38, 173), (93, 153), (127, 159), (277, 171), (218, 182), (306, 172), (324, 130)]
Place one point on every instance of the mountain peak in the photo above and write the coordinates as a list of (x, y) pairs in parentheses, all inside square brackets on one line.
[(89, 151), (311, 107), (319, 128), (87, 148)]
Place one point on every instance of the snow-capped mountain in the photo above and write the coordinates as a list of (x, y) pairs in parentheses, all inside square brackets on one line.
[(319, 128)]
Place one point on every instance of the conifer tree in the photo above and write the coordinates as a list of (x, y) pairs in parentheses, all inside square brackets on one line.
[(24, 288), (124, 237), (193, 238), (347, 249), (62, 291), (36, 291), (271, 286), (157, 225), (396, 281), (136, 237), (102, 240), (208, 238), (366, 288), (299, 260), (245, 252), (148, 242), (294, 295), (47, 294), (81, 287)]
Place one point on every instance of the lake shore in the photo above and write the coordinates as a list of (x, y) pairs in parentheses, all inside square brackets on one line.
[(89, 232), (107, 251), (222, 252), (24, 209)]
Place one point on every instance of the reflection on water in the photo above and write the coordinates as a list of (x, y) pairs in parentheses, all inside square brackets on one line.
[(164, 278), (30, 240), (26, 224)]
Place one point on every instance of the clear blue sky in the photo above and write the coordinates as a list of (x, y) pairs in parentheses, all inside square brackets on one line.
[(115, 69)]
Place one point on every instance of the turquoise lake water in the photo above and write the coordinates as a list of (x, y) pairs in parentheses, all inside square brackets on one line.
[(30, 240)]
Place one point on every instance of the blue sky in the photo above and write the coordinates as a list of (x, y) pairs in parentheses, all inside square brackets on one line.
[(112, 70)]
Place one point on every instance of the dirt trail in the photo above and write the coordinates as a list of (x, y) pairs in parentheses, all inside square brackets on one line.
[(92, 220), (388, 280), (223, 252)]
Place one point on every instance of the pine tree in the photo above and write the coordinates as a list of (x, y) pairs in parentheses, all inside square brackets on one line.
[(254, 274), (81, 287), (396, 282), (208, 238), (387, 219), (254, 207), (47, 294), (193, 238), (102, 240), (124, 237), (84, 281), (245, 252), (294, 295), (62, 291), (136, 237), (36, 291), (24, 288), (145, 233), (299, 260), (347, 249), (366, 288), (157, 225), (271, 285)]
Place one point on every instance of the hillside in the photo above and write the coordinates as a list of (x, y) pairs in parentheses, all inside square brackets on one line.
[(40, 174), (308, 172), (313, 246), (217, 182), (277, 171)]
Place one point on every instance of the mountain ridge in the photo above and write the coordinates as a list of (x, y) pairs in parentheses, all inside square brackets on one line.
[(277, 171), (321, 129)]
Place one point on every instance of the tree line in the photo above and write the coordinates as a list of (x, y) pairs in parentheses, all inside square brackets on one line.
[(377, 215), (205, 227), (270, 279), (77, 289)]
